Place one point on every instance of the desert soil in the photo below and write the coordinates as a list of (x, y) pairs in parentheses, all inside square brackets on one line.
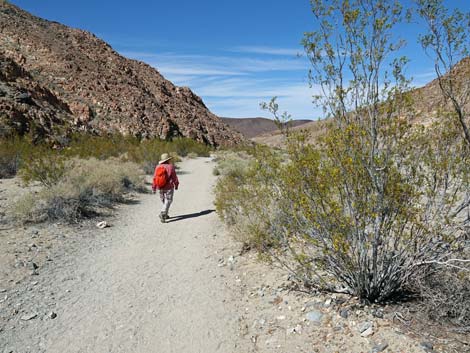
[(143, 286)]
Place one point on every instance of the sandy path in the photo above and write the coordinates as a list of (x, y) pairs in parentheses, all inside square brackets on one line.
[(143, 286), (153, 288)]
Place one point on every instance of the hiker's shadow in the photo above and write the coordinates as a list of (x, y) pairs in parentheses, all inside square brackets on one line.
[(190, 215)]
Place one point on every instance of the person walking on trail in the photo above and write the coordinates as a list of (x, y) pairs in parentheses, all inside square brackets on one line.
[(166, 182)]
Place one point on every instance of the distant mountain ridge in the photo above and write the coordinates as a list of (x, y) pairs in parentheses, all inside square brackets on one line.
[(253, 127), (70, 79)]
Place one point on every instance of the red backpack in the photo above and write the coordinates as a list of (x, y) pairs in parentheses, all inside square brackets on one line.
[(161, 177)]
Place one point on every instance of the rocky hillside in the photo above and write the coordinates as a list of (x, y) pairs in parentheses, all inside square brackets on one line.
[(53, 75), (428, 100), (252, 127), (428, 105), (26, 105), (276, 139)]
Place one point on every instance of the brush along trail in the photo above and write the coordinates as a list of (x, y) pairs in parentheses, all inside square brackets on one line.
[(178, 287)]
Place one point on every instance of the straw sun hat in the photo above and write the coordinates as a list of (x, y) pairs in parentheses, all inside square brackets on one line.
[(164, 157)]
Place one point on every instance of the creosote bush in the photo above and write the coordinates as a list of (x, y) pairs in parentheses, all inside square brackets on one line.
[(12, 153), (44, 166), (377, 203)]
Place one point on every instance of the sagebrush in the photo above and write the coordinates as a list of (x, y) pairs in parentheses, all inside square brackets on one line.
[(86, 187)]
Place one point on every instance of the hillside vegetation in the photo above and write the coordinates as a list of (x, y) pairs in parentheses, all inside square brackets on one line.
[(87, 175)]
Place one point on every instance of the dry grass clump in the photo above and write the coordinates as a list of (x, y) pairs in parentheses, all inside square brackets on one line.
[(446, 296), (445, 290), (87, 187)]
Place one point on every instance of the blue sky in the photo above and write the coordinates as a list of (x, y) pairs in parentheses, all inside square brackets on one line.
[(234, 54)]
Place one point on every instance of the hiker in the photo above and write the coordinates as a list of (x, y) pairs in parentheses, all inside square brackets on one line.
[(166, 181)]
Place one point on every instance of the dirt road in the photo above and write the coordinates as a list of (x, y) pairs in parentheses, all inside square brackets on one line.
[(151, 288)]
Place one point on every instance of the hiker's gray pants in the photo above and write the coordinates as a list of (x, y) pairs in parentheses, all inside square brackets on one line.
[(166, 196)]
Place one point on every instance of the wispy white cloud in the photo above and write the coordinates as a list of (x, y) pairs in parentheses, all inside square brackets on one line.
[(421, 79), (240, 97), (235, 85), (428, 74), (232, 64), (267, 50), (195, 71)]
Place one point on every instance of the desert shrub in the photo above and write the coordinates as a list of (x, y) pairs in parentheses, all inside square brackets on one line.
[(333, 223), (232, 162), (232, 190), (84, 189), (184, 146), (108, 179), (40, 162), (377, 201), (9, 159), (25, 208), (148, 154), (100, 147), (12, 154), (45, 166), (372, 205), (245, 200), (369, 230)]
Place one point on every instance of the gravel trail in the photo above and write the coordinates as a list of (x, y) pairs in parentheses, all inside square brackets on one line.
[(150, 287)]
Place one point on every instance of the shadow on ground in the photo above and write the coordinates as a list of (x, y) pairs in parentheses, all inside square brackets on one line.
[(189, 215)]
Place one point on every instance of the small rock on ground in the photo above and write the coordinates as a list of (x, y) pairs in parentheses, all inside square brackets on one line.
[(379, 347), (427, 346), (28, 317), (314, 316), (368, 332)]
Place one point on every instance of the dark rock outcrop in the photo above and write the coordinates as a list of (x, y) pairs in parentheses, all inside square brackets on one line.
[(73, 78)]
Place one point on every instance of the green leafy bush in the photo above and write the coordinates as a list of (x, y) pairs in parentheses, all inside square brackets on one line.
[(40, 162), (100, 147), (148, 154), (13, 151), (184, 146), (44, 166)]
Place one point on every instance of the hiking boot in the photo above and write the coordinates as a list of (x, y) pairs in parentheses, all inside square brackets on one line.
[(162, 217)]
